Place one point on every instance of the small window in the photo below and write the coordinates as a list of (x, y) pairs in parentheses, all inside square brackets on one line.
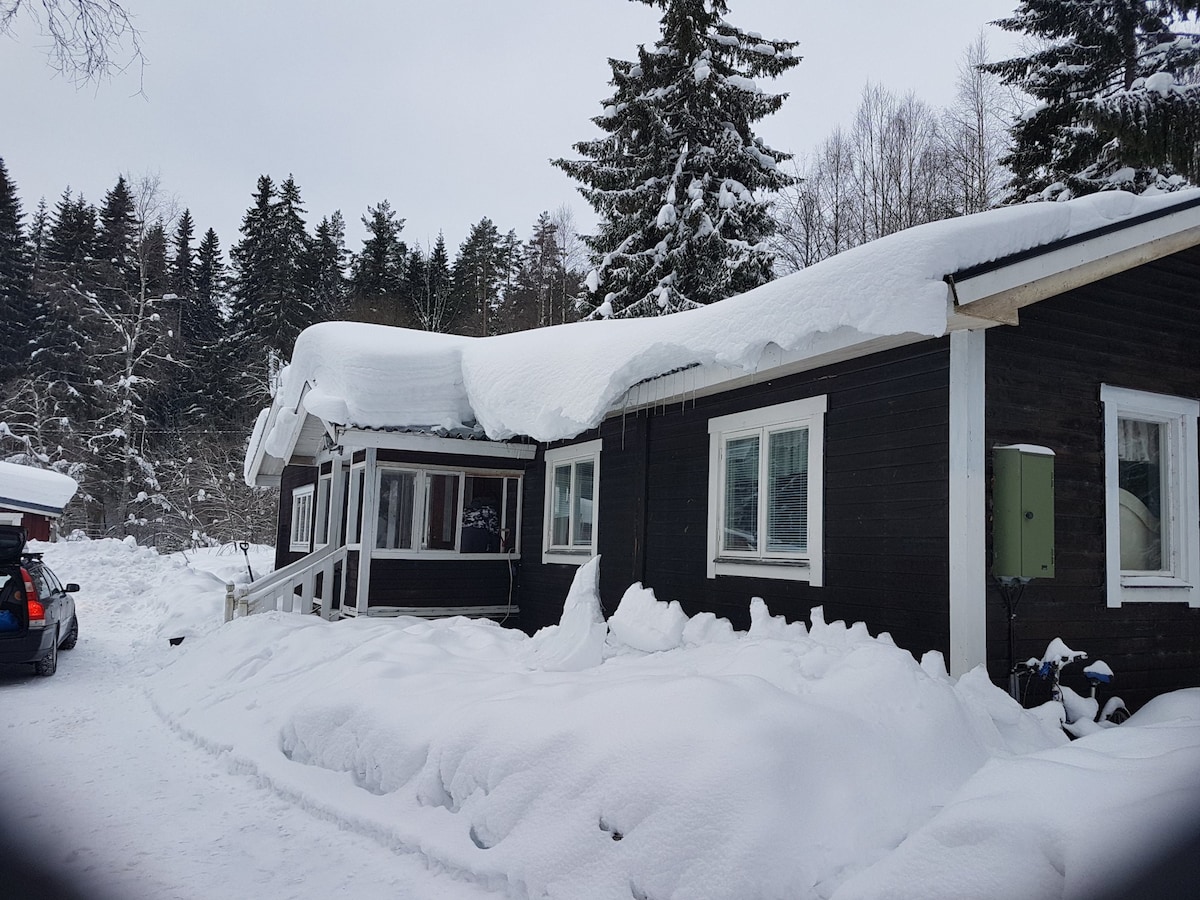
[(1152, 502), (322, 522), (302, 518), (572, 481), (765, 492)]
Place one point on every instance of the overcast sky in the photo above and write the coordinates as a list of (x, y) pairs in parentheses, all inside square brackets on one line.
[(450, 109)]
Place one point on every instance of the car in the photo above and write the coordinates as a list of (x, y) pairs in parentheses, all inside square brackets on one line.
[(37, 611)]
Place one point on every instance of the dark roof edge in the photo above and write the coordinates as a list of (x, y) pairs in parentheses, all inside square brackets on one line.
[(1002, 262), (26, 506)]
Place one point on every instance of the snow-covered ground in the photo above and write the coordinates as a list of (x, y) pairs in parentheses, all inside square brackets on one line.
[(656, 757)]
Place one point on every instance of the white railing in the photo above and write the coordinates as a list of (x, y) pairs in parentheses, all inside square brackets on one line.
[(279, 589)]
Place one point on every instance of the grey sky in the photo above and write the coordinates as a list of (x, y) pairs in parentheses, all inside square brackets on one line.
[(450, 109)]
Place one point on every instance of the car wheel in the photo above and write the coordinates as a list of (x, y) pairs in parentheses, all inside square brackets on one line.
[(48, 664), (72, 637)]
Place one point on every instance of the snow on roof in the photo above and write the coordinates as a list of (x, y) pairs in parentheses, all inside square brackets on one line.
[(554, 383), (41, 489)]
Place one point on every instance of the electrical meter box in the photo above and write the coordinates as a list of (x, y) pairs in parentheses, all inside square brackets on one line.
[(1023, 512)]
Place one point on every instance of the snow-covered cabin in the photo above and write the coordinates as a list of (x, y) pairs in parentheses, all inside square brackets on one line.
[(826, 439), (33, 498)]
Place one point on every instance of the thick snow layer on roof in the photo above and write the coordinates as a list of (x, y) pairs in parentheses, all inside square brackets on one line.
[(26, 485), (553, 383)]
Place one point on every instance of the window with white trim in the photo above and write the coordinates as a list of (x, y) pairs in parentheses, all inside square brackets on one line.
[(766, 487), (1151, 497), (423, 511), (572, 495), (302, 518)]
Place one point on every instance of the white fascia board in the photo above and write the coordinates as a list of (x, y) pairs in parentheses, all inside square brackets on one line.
[(823, 349), (999, 293), (430, 443)]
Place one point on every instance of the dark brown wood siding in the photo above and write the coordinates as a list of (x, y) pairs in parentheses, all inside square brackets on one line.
[(292, 478), (886, 502), (442, 582), (1139, 330)]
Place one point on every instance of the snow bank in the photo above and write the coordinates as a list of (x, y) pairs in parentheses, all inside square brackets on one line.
[(742, 766), (25, 485), (554, 383)]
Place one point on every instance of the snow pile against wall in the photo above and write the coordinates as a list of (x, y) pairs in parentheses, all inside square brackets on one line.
[(25, 485), (732, 766), (553, 383)]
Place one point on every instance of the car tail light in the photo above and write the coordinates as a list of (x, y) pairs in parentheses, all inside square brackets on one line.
[(36, 611)]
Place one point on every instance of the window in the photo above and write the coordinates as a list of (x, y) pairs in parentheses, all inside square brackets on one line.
[(324, 483), (765, 492), (1152, 497), (422, 511), (572, 479), (302, 518)]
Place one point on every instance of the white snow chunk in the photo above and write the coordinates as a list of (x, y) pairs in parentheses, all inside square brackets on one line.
[(645, 623), (577, 641)]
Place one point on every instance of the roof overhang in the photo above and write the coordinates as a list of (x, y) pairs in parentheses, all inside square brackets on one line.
[(13, 505), (997, 291)]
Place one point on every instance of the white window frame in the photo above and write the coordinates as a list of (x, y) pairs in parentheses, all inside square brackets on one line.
[(421, 480), (570, 554), (302, 519), (1178, 582), (807, 566)]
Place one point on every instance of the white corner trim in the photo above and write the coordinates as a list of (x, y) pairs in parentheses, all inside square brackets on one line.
[(968, 503)]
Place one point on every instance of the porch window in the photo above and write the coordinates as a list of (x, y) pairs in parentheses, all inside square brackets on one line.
[(1152, 499), (765, 492), (324, 483), (302, 519), (572, 481), (444, 512)]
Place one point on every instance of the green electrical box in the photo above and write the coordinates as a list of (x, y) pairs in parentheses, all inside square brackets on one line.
[(1023, 512)]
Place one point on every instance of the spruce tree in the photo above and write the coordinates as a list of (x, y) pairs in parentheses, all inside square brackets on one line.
[(117, 244), (377, 271), (16, 297), (479, 276), (324, 269), (1118, 105), (256, 296), (680, 180), (181, 279), (296, 303)]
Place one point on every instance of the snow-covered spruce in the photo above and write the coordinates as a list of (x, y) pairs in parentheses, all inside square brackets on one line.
[(680, 181), (1118, 106)]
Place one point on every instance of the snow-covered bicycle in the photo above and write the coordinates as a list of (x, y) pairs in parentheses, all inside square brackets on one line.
[(1078, 715)]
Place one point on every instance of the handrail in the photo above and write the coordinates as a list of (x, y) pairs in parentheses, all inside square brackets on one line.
[(279, 589)]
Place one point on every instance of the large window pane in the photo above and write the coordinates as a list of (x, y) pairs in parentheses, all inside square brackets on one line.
[(441, 512), (481, 522), (560, 523), (585, 473), (787, 491), (741, 494), (1141, 479), (394, 526)]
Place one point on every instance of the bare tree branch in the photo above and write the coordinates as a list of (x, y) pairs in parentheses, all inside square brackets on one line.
[(89, 39)]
